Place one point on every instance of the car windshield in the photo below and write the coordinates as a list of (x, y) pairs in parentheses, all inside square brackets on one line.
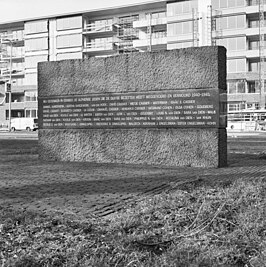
[(35, 120)]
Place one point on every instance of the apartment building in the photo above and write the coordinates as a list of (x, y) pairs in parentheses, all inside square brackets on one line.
[(151, 26)]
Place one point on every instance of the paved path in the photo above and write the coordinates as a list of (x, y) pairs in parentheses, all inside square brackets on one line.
[(90, 189)]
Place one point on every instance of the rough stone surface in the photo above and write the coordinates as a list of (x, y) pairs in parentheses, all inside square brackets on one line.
[(169, 147), (191, 68), (176, 69)]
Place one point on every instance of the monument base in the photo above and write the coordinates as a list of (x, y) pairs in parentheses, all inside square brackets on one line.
[(167, 147)]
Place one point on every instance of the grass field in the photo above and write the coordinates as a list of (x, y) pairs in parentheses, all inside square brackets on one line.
[(208, 222)]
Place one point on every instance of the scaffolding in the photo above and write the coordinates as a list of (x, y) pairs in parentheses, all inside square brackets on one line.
[(126, 34), (4, 70), (261, 55), (215, 25)]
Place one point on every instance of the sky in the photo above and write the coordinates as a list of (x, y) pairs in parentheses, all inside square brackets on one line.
[(15, 10)]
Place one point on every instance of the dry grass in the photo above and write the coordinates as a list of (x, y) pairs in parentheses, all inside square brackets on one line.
[(199, 224)]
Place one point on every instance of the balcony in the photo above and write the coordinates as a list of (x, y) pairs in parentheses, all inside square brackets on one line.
[(246, 97), (229, 11), (249, 76), (229, 32), (17, 105), (99, 48), (15, 57), (100, 29), (16, 39), (16, 73)]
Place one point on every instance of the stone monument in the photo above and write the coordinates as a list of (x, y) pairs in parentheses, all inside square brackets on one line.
[(162, 108)]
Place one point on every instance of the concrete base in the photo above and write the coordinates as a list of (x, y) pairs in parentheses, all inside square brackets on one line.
[(167, 147)]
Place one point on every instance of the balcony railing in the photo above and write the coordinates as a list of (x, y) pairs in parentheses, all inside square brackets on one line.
[(14, 56), (101, 46), (15, 39), (15, 72), (98, 28)]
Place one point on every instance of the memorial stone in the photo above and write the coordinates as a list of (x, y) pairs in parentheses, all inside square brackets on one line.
[(165, 108)]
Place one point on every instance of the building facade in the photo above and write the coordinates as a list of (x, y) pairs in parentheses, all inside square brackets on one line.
[(158, 25)]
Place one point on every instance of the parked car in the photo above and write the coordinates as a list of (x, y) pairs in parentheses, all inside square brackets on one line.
[(29, 124)]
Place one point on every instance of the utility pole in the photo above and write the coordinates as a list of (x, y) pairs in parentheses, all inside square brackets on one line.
[(9, 93)]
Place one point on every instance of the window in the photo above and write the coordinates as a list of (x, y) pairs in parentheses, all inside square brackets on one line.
[(254, 66), (236, 87), (175, 29), (251, 87), (231, 88), (222, 42), (69, 23), (236, 65), (16, 51), (240, 22), (240, 2), (18, 66), (223, 4), (69, 40), (159, 34), (157, 15), (253, 45), (240, 87), (241, 43), (36, 27), (16, 98), (99, 25), (18, 34), (31, 113), (236, 106), (36, 44), (254, 22), (249, 105), (3, 34), (227, 3), (31, 96), (15, 113), (232, 22), (100, 42), (241, 65), (183, 7), (18, 81), (232, 44)]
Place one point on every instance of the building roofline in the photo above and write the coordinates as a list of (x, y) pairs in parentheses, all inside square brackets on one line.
[(111, 9)]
